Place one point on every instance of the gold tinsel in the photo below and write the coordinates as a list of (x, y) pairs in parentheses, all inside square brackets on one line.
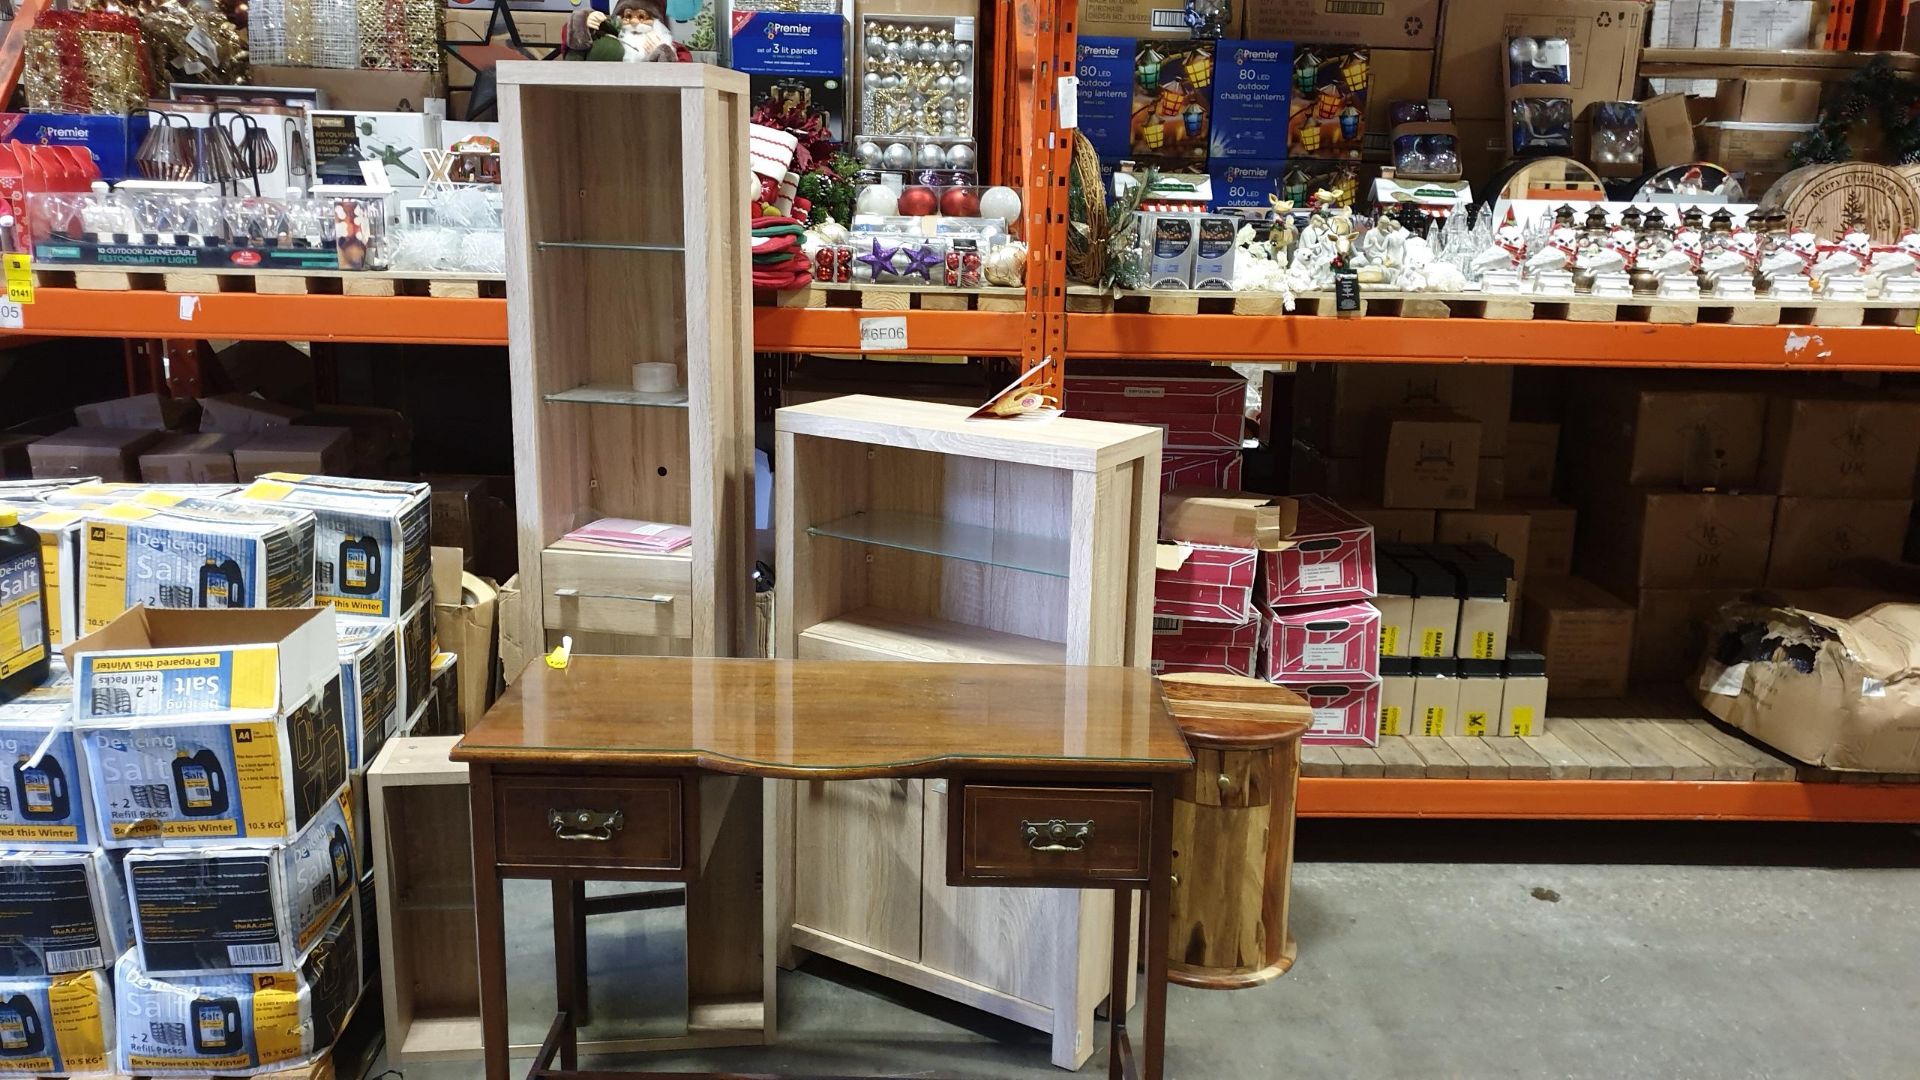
[(400, 34), (191, 44), (108, 79)]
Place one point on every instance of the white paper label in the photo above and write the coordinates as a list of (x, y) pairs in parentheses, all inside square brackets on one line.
[(1320, 575), (12, 316), (888, 334), (1729, 681), (1325, 654), (1327, 720), (188, 305), (1068, 95)]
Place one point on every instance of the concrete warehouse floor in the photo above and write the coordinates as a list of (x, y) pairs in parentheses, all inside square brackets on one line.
[(1427, 949)]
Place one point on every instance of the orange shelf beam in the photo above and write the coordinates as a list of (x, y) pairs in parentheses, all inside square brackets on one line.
[(966, 333), (1491, 341), (1614, 800)]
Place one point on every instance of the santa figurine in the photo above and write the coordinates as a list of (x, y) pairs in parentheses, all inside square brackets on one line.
[(636, 32)]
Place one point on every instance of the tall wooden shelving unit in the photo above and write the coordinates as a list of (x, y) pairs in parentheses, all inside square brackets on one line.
[(907, 532), (627, 242)]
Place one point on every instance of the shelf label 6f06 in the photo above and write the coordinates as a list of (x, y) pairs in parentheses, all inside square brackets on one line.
[(887, 334)]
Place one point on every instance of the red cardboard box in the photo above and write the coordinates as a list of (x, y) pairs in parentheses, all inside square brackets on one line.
[(1179, 645), (1200, 468), (1195, 412), (1341, 641), (1344, 713), (1204, 583), (1329, 560)]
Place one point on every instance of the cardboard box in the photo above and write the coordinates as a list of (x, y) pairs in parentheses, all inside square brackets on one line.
[(1195, 412), (514, 650), (1394, 75), (1389, 24), (1677, 539), (1344, 713), (1586, 634), (260, 908), (1666, 437), (1481, 689), (1523, 698), (474, 515), (463, 623), (416, 658), (1531, 455), (1200, 468), (1751, 148), (167, 551), (404, 91), (370, 538), (60, 531), (1668, 128), (244, 413), (1395, 605), (1252, 92), (1829, 682), (209, 726), (1336, 642), (1436, 697), (1436, 607), (1604, 37), (1670, 629), (1333, 404), (141, 411), (1856, 447), (297, 448), (369, 685), (70, 1023), (1550, 538), (1492, 483), (1396, 696), (1342, 479), (1484, 575), (48, 806), (111, 454), (1329, 560), (191, 459), (343, 138), (1505, 528), (60, 912), (1428, 459), (1234, 519), (1204, 582), (1179, 645), (1768, 101), (237, 1022), (1814, 538), (1397, 525), (1134, 18)]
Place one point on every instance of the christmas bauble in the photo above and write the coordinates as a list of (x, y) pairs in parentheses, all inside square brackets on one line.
[(960, 202), (925, 49), (917, 201), (1002, 203), (963, 84), (876, 199), (931, 156), (876, 45), (943, 50), (961, 156), (943, 85), (869, 154), (897, 156), (963, 51)]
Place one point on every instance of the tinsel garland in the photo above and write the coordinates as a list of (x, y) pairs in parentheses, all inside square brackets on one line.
[(85, 62), (304, 33), (190, 43), (401, 34)]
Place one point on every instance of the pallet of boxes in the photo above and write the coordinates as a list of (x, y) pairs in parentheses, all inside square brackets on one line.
[(200, 761)]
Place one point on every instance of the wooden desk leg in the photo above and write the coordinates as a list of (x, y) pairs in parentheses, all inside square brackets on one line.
[(582, 1006), (1117, 1048), (1159, 899), (491, 921), (566, 969)]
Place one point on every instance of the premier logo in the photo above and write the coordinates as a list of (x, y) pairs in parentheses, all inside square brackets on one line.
[(774, 29), (1101, 52), (1256, 56)]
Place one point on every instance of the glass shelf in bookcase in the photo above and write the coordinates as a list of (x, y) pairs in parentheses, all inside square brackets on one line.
[(950, 540), (620, 395), (607, 245)]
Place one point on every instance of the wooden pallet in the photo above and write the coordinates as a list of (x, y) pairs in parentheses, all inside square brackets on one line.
[(1425, 305), (902, 298), (1636, 739), (276, 282)]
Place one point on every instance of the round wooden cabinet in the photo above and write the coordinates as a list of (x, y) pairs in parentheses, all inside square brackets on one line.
[(1233, 829)]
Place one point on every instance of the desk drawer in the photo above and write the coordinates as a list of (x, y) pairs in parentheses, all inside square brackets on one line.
[(1052, 835), (617, 592), (637, 824)]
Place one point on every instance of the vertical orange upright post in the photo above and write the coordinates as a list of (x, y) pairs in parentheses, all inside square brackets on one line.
[(1036, 49)]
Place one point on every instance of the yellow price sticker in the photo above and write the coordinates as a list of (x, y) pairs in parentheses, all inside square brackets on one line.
[(19, 292), (19, 274), (18, 264)]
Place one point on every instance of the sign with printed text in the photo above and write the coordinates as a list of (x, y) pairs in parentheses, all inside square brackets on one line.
[(19, 271), (886, 334), (12, 317)]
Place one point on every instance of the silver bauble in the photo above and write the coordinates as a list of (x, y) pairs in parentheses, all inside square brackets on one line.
[(960, 157), (943, 50), (898, 156), (963, 84), (943, 84), (931, 156), (876, 45), (963, 51), (869, 154)]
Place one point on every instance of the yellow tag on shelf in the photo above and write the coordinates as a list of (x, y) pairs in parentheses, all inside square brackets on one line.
[(19, 270)]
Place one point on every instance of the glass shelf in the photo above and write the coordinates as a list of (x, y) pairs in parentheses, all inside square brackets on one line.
[(596, 245), (616, 395), (950, 540)]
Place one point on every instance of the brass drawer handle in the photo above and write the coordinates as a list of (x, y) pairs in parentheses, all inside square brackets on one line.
[(595, 825), (1057, 834), (576, 594)]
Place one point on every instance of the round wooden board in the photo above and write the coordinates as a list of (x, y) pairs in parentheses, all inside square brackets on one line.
[(1827, 200)]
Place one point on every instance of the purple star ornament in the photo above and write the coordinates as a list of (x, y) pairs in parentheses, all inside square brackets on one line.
[(880, 259), (924, 261)]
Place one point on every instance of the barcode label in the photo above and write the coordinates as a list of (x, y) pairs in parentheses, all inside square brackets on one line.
[(61, 961), (1356, 7), (168, 1033), (253, 955), (150, 796)]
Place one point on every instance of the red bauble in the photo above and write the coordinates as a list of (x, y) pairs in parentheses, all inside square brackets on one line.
[(917, 201), (960, 202)]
